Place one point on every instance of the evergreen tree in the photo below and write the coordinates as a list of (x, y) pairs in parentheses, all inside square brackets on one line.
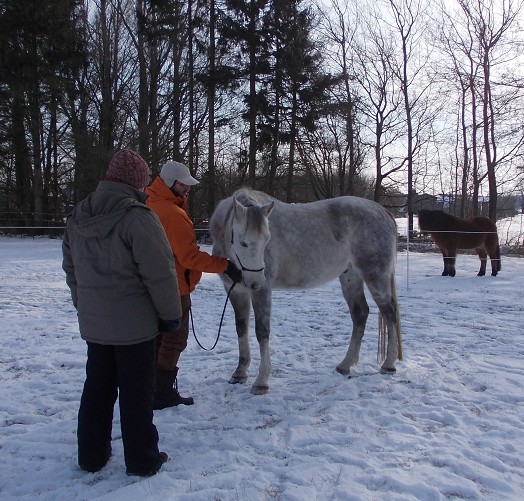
[(40, 48), (300, 85), (246, 30)]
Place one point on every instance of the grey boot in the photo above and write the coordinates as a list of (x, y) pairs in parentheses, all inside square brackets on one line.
[(166, 391)]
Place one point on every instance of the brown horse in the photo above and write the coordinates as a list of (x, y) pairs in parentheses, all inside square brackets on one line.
[(451, 233)]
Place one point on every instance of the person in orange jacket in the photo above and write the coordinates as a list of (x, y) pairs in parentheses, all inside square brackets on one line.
[(167, 197)]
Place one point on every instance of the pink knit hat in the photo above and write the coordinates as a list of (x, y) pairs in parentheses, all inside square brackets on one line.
[(129, 167)]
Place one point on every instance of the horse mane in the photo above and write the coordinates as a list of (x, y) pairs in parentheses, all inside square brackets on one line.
[(438, 220), (249, 197)]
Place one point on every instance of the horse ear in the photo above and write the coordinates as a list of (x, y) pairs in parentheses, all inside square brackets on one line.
[(240, 210), (268, 208)]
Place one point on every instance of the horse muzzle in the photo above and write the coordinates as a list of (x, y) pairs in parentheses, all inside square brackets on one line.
[(252, 278)]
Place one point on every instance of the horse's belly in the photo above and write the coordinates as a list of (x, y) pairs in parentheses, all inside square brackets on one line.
[(306, 277), (298, 284)]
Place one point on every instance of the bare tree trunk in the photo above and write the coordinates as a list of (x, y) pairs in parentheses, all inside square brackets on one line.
[(292, 143), (490, 146), (191, 89), (22, 161), (33, 102), (465, 156), (273, 157), (252, 160), (143, 87), (211, 202), (106, 119)]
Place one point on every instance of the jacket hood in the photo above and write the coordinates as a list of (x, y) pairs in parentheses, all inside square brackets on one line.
[(100, 211), (160, 191)]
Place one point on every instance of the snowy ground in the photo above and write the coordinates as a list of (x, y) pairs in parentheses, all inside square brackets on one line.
[(448, 425)]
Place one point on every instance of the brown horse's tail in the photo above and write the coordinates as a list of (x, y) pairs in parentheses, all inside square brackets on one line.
[(499, 261), (382, 327)]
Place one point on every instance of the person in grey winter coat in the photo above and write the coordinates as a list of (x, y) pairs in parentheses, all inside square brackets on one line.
[(119, 268)]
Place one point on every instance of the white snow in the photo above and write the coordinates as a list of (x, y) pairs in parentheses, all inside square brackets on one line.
[(448, 425)]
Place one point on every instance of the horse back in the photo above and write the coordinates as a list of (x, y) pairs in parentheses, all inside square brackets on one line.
[(451, 232), (316, 242)]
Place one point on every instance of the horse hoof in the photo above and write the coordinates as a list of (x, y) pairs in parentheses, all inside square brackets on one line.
[(238, 379), (341, 370), (259, 390), (388, 370)]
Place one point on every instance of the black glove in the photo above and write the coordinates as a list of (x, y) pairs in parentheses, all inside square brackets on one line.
[(168, 325), (233, 272)]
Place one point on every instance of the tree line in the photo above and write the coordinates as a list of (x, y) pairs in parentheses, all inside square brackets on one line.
[(385, 99)]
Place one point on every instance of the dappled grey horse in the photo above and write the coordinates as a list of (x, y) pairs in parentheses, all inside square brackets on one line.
[(300, 246)]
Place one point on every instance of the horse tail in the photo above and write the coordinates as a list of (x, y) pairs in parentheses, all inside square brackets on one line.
[(382, 327), (382, 334), (499, 261), (397, 317)]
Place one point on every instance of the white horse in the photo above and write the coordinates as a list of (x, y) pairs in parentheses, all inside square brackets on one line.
[(286, 246)]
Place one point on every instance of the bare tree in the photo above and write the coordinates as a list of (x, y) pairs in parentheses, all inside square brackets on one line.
[(409, 22), (460, 66), (375, 51), (112, 78), (493, 23), (340, 32)]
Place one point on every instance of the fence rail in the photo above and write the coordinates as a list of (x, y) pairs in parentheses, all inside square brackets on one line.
[(203, 237)]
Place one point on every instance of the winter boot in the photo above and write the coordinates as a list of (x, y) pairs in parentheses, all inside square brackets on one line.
[(152, 470), (166, 391)]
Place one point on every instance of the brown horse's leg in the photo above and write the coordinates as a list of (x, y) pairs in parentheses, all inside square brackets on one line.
[(445, 258), (448, 255), (483, 260), (451, 264), (496, 264), (494, 255)]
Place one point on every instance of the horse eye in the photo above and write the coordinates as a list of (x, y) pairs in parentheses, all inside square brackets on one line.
[(243, 244)]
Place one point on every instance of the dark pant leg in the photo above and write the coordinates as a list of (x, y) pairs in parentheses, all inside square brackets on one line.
[(95, 416), (170, 345), (136, 376)]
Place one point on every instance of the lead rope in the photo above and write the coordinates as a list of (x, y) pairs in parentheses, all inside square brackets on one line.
[(219, 327)]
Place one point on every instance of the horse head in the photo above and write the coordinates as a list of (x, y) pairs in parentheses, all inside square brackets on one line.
[(249, 237)]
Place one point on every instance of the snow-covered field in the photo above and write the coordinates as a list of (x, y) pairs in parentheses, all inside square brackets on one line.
[(448, 425)]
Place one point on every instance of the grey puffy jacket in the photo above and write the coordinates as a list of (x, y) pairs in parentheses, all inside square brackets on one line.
[(119, 267)]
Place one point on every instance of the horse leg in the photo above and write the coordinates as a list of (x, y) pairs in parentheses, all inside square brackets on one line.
[(241, 303), (494, 256), (449, 264), (353, 291), (442, 248), (261, 299), (449, 255), (445, 271), (483, 256), (496, 263)]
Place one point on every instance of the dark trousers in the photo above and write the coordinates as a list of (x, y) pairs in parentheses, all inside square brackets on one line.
[(170, 345), (127, 372)]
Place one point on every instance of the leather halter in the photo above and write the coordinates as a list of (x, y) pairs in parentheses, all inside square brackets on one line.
[(242, 267)]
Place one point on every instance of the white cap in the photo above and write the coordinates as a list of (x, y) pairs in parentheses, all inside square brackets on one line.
[(175, 171)]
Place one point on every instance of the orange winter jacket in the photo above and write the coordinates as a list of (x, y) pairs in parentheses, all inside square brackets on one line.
[(190, 261)]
